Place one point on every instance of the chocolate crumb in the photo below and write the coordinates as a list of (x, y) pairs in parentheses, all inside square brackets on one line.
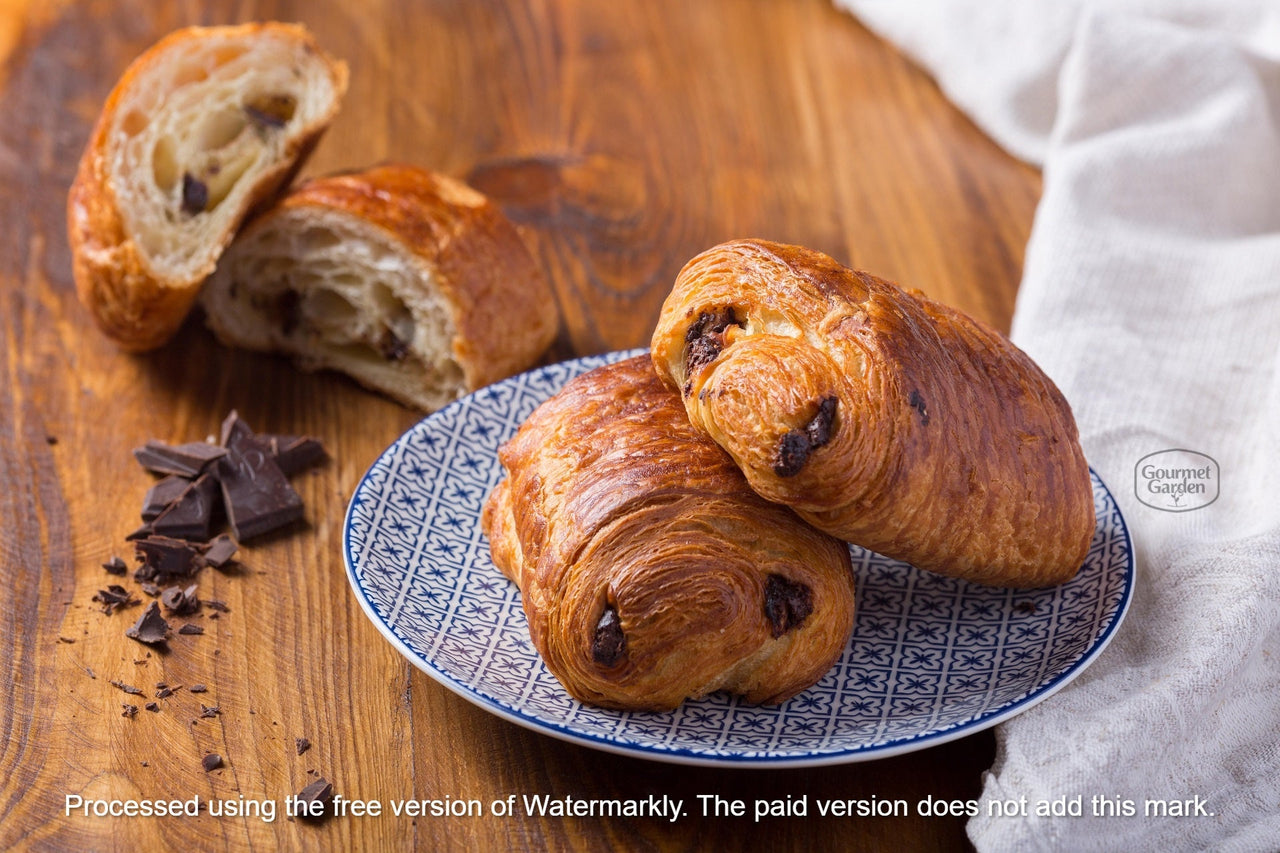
[(115, 566), (609, 645), (127, 688), (215, 604), (166, 691), (179, 601), (150, 589), (195, 194), (197, 688), (210, 762), (916, 401), (129, 711), (152, 707), (151, 628), (113, 598), (190, 629), (302, 745), (786, 604), (208, 712)]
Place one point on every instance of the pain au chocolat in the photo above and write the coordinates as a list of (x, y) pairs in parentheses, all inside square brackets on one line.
[(649, 570), (880, 416)]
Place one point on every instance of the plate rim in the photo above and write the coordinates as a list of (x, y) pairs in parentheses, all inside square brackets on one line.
[(680, 755)]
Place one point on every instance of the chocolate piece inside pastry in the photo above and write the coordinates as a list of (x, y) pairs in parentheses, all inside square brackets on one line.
[(880, 416), (649, 570)]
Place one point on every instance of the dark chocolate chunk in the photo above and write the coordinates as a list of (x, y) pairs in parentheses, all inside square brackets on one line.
[(183, 460), (705, 339), (786, 604), (150, 627), (127, 688), (190, 629), (152, 707), (294, 453), (164, 558), (212, 761), (113, 598), (609, 644), (141, 533), (190, 516), (220, 551), (195, 194), (181, 602), (319, 791), (302, 744), (916, 401), (129, 710), (163, 493), (795, 445), (115, 566), (255, 492)]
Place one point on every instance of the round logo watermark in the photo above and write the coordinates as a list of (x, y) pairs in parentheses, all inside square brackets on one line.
[(1176, 480)]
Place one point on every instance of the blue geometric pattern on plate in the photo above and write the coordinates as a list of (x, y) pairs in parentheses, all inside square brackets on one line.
[(931, 658)]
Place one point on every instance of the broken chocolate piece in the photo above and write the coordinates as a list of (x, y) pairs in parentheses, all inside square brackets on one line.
[(319, 791), (197, 688), (255, 492), (190, 516), (150, 627), (795, 445), (180, 601), (184, 460), (295, 453), (302, 744), (190, 629), (609, 645), (786, 604), (127, 688), (220, 551), (113, 598), (195, 194), (166, 691), (152, 707), (129, 710), (163, 493), (115, 566), (212, 761), (208, 712), (164, 558)]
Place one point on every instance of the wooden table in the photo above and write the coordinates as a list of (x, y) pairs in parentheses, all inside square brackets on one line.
[(626, 137)]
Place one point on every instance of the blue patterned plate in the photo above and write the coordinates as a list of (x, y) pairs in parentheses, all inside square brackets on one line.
[(931, 658)]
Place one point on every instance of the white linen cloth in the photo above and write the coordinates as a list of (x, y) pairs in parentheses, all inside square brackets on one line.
[(1151, 294)]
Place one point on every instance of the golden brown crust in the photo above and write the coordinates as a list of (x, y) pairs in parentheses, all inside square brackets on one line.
[(945, 446), (503, 310), (135, 304), (614, 502)]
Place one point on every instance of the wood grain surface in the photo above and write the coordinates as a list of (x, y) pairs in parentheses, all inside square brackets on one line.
[(625, 137)]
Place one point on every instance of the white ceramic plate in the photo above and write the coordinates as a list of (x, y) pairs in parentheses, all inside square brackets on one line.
[(931, 658)]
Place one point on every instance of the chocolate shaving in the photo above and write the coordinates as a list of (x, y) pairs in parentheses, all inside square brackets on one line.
[(150, 627), (195, 194), (166, 691), (795, 446), (255, 492), (113, 598), (183, 460), (181, 602), (210, 762), (786, 604), (208, 712), (127, 688), (609, 644), (215, 604), (190, 629)]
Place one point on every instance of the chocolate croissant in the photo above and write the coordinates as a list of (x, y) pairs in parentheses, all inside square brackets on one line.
[(880, 416), (649, 570)]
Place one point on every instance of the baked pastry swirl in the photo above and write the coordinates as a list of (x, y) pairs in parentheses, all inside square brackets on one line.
[(880, 416), (649, 570), (202, 127)]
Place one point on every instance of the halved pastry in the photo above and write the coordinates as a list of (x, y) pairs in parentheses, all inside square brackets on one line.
[(880, 416), (411, 282), (200, 128), (649, 570)]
